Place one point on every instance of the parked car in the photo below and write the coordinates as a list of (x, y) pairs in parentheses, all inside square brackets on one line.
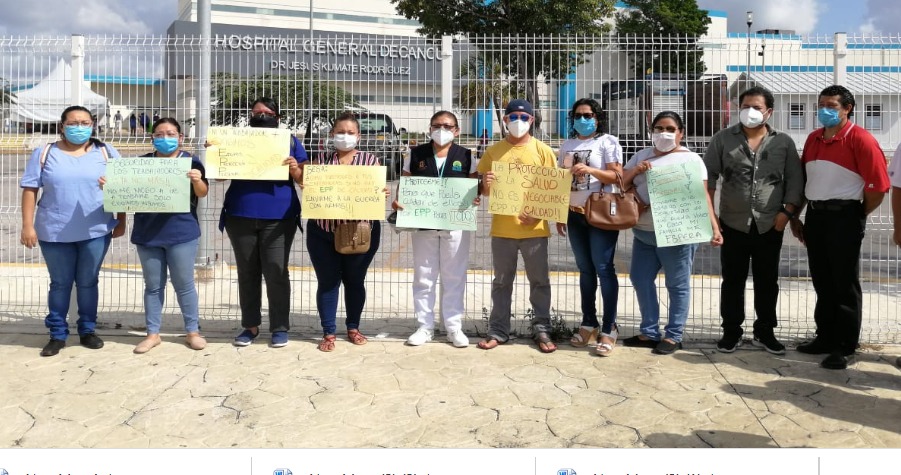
[(378, 135)]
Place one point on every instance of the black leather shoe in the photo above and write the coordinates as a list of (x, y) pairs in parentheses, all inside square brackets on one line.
[(667, 347), (836, 360), (91, 341), (814, 347), (52, 347), (638, 342)]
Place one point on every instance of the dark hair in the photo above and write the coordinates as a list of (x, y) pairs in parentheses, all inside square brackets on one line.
[(845, 97), (595, 109), (758, 91), (347, 116), (165, 120), (669, 115), (269, 103), (444, 114), (62, 119)]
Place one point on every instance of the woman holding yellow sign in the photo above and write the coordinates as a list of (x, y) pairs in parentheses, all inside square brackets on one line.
[(333, 267), (440, 252), (261, 217)]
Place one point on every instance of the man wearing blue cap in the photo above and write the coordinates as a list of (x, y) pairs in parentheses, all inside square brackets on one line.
[(523, 234)]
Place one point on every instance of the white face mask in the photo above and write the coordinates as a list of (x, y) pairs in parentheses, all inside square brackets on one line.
[(664, 141), (518, 128), (442, 137), (751, 118), (345, 142)]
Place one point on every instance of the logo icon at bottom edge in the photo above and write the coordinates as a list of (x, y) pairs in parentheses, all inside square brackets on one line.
[(566, 471)]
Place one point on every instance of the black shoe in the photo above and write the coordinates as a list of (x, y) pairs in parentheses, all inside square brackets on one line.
[(729, 343), (667, 348), (92, 341), (836, 360), (815, 347), (52, 347), (637, 342), (769, 343)]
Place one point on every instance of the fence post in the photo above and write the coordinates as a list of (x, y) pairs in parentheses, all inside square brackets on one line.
[(201, 124), (840, 58), (447, 72), (77, 69)]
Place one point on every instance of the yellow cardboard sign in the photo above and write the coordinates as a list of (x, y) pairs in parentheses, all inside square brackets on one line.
[(247, 153), (344, 192), (540, 192)]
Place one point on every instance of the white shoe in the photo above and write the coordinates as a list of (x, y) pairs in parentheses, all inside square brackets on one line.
[(458, 338), (420, 337)]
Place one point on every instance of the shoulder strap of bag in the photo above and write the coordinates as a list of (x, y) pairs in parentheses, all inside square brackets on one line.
[(44, 154)]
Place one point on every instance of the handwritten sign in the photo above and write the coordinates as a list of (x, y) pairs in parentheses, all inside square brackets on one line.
[(247, 153), (344, 192), (540, 192), (437, 203), (679, 204), (148, 184)]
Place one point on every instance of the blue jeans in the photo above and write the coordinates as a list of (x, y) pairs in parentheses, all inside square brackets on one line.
[(333, 269), (73, 263), (676, 261), (594, 250), (178, 259)]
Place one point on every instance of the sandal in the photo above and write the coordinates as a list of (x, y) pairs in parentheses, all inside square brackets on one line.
[(583, 337), (355, 337), (545, 344), (606, 343), (327, 343), (490, 343)]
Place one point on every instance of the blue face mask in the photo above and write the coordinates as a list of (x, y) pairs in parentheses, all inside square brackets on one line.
[(828, 117), (165, 145), (585, 127), (78, 134)]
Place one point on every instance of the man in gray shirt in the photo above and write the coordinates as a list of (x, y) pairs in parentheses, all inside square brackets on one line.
[(761, 191)]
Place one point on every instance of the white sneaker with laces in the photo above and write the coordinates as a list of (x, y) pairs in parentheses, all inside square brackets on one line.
[(420, 337), (458, 338)]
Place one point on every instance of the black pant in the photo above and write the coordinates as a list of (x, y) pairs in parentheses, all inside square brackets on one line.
[(833, 240), (762, 251), (262, 247)]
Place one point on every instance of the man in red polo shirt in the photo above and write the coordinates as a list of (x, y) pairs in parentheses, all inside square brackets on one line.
[(846, 181)]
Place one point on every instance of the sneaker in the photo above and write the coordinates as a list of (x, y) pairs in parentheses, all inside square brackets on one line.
[(666, 347), (52, 347), (91, 340), (245, 338), (729, 343), (421, 337), (638, 342), (279, 339), (837, 360), (458, 338), (814, 347), (769, 343)]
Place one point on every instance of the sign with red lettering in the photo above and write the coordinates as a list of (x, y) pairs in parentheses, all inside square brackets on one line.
[(538, 192)]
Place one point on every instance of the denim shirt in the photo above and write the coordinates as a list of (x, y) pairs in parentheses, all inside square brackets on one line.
[(755, 186)]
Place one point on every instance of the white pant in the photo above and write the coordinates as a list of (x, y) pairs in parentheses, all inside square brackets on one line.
[(444, 254)]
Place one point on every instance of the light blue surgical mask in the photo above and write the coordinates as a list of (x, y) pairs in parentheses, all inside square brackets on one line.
[(78, 134), (165, 145), (585, 127), (828, 117)]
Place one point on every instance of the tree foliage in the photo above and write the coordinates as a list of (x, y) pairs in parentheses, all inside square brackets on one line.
[(661, 35), (6, 94), (525, 58), (233, 96)]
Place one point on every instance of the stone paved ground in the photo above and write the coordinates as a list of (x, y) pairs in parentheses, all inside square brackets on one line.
[(386, 394)]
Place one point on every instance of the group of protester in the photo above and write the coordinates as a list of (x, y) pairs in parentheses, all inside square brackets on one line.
[(840, 177)]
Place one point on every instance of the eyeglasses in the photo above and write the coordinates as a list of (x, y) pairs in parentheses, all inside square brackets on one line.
[(449, 127), (670, 129), (588, 115), (76, 124), (522, 117), (160, 135)]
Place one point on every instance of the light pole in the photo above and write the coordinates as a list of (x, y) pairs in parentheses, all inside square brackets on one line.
[(750, 22)]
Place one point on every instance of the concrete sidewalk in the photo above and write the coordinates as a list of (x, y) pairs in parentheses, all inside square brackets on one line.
[(387, 394)]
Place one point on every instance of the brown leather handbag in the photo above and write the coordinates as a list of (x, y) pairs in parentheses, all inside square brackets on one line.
[(614, 211), (353, 237)]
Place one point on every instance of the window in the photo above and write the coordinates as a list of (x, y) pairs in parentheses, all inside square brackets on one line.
[(872, 119), (796, 118)]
